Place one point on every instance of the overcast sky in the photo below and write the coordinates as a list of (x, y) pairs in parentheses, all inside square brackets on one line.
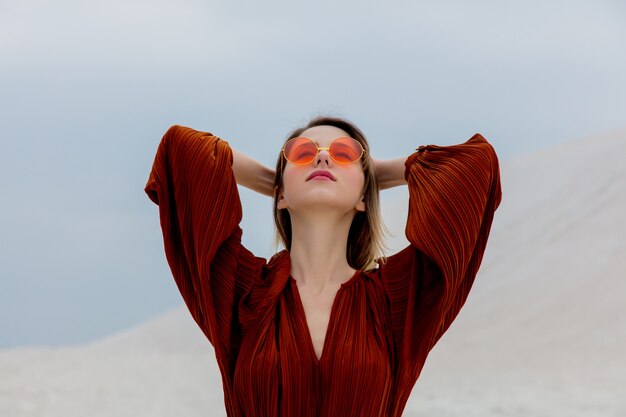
[(88, 89)]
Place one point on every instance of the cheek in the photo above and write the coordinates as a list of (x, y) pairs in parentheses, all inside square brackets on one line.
[(358, 178), (289, 182)]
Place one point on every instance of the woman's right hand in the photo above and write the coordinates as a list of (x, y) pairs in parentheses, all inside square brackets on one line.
[(252, 174)]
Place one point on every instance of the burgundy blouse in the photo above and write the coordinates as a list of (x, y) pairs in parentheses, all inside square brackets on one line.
[(383, 322)]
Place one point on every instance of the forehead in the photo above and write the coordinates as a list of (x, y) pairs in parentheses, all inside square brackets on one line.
[(324, 134)]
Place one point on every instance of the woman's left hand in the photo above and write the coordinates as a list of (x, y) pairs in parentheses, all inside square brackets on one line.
[(377, 167), (389, 172)]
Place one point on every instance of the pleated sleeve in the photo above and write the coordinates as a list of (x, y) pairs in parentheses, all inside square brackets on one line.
[(453, 194), (193, 184)]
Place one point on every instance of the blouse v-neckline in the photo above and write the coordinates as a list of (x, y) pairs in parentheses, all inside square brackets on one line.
[(331, 319)]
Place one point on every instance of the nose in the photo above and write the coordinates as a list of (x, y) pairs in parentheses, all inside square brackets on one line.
[(323, 156)]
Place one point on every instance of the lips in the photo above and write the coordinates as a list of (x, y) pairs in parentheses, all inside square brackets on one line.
[(322, 173)]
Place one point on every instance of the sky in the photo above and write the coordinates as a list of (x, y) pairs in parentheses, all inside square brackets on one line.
[(89, 89)]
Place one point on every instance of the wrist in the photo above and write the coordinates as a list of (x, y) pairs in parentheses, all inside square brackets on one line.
[(390, 173)]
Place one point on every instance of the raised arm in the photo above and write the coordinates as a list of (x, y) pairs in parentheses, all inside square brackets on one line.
[(252, 174), (194, 187), (390, 172), (453, 194)]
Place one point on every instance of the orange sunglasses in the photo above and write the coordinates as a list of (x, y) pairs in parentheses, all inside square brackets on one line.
[(343, 150)]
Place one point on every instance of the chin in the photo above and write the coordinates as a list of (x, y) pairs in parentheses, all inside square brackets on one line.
[(322, 203)]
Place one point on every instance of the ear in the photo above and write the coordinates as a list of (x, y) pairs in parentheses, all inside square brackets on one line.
[(281, 203), (361, 204)]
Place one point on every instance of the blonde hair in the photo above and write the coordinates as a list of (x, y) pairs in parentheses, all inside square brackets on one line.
[(365, 238)]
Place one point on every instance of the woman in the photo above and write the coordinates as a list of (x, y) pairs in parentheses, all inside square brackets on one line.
[(318, 330)]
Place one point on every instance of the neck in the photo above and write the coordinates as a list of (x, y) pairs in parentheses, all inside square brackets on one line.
[(318, 249)]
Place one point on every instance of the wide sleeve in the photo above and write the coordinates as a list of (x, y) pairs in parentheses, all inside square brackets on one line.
[(453, 194), (193, 184)]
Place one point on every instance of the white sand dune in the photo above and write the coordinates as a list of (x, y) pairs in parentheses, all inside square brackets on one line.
[(543, 332)]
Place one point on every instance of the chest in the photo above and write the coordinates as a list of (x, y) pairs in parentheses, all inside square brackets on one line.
[(317, 311), (306, 347)]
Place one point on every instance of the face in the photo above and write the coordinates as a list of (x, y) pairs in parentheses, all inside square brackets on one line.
[(344, 193)]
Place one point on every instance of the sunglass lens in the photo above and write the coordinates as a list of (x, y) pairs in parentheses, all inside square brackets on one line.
[(300, 151), (346, 150)]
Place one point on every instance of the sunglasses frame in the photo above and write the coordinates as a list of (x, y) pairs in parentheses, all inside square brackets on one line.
[(322, 148)]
